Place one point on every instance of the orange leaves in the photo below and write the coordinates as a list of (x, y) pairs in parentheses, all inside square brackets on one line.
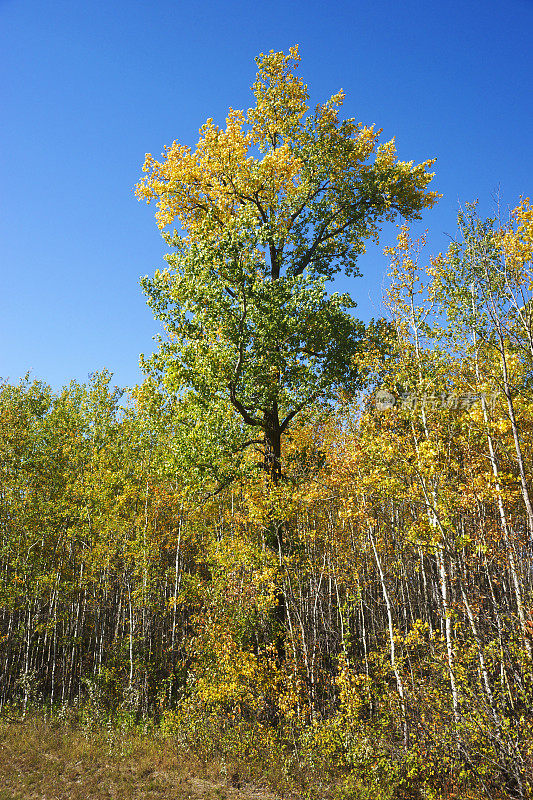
[(516, 242), (188, 184), (281, 98), (268, 165), (219, 178), (223, 175)]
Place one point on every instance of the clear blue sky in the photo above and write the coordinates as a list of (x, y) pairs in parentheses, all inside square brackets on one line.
[(88, 87)]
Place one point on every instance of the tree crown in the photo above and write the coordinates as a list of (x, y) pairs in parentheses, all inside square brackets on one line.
[(317, 186)]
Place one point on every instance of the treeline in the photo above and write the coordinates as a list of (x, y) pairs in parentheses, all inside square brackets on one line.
[(139, 578)]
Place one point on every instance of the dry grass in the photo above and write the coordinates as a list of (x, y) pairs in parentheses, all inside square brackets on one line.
[(48, 761)]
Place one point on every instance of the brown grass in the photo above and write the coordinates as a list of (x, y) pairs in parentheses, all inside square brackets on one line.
[(42, 760)]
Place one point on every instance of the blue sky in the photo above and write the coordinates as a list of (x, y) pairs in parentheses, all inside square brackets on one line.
[(89, 87)]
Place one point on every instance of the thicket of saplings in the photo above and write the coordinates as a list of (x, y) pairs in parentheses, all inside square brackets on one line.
[(135, 589)]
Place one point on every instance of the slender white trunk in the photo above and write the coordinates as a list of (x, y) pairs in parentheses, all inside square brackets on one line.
[(481, 657), (516, 439), (502, 514), (365, 649), (393, 661), (131, 636), (447, 627), (177, 581)]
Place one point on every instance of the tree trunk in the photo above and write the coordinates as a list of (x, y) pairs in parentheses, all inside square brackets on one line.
[(272, 465)]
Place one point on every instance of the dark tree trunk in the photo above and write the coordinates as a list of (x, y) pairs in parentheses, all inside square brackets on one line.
[(273, 445), (275, 538)]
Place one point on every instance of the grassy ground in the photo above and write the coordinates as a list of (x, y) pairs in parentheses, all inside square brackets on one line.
[(48, 761)]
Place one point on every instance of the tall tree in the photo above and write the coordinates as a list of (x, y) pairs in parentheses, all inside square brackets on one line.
[(269, 209)]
